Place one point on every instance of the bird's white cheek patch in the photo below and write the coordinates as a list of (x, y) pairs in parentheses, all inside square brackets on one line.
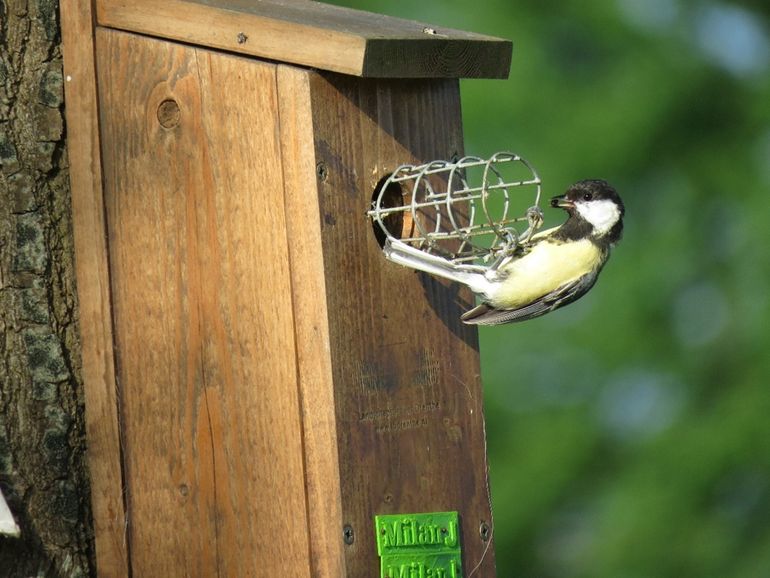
[(601, 214)]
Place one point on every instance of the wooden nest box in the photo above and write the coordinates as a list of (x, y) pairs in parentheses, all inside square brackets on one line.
[(260, 382)]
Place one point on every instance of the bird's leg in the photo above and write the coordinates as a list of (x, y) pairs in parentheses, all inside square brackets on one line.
[(509, 246), (534, 220)]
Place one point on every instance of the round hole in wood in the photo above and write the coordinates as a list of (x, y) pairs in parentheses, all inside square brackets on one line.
[(399, 223)]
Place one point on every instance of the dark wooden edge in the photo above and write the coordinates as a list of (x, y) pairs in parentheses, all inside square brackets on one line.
[(92, 274), (311, 324)]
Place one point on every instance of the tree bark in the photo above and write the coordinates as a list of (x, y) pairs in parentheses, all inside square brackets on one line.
[(42, 441)]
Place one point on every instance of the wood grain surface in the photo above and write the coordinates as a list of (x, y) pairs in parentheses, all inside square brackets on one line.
[(202, 303), (408, 396), (317, 35)]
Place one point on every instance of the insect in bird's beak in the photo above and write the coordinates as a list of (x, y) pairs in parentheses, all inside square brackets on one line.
[(562, 202)]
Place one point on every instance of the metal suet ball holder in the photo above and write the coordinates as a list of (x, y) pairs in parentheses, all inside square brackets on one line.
[(463, 211)]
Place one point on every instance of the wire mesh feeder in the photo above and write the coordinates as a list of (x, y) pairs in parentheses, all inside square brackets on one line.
[(464, 210)]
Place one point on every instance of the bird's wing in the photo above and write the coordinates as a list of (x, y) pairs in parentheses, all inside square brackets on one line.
[(485, 314)]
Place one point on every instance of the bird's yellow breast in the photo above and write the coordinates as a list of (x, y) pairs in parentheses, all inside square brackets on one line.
[(548, 266)]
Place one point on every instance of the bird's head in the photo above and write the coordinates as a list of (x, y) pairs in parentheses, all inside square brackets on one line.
[(596, 203)]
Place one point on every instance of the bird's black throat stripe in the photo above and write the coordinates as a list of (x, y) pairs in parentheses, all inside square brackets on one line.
[(576, 228), (573, 229)]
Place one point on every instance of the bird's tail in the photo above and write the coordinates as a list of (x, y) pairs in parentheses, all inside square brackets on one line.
[(406, 255)]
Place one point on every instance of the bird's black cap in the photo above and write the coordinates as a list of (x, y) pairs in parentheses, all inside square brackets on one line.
[(588, 190), (584, 192)]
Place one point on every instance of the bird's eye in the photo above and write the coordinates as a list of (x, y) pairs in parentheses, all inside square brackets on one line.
[(587, 196)]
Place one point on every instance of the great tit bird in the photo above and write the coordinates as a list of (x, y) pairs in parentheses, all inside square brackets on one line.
[(556, 267)]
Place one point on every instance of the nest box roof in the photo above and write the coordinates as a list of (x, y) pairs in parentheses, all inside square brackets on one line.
[(316, 35)]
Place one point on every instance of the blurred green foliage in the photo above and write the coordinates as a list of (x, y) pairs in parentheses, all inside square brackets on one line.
[(629, 434)]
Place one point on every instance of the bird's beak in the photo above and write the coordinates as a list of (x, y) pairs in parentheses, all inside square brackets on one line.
[(562, 202)]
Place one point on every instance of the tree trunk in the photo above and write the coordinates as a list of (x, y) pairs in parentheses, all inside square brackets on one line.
[(42, 442)]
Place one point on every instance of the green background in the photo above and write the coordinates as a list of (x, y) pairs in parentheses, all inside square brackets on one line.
[(629, 434)]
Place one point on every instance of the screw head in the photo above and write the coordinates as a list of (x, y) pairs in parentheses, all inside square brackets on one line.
[(241, 38), (348, 535), (484, 531), (321, 171)]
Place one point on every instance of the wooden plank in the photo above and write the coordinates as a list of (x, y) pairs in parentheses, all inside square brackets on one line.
[(311, 326), (203, 311), (406, 370), (91, 268), (316, 35)]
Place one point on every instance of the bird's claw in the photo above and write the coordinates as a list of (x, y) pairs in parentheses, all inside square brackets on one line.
[(534, 220), (510, 242)]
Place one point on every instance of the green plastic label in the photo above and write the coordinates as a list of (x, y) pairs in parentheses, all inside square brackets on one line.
[(419, 545)]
